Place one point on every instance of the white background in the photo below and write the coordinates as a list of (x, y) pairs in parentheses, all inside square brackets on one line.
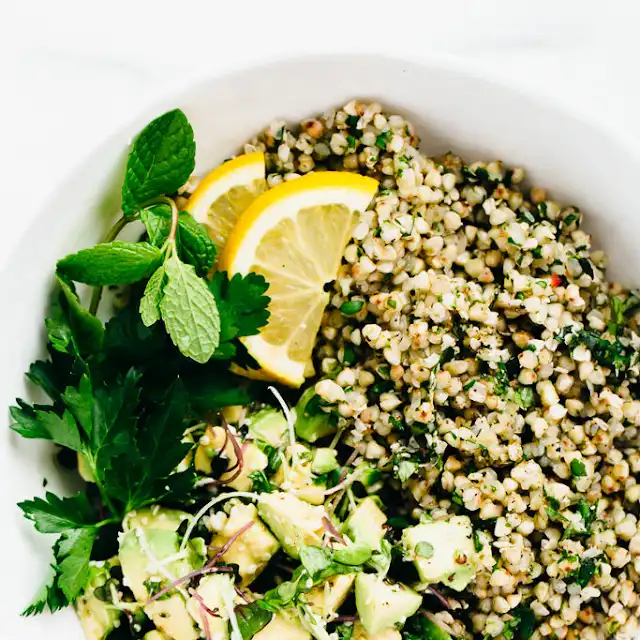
[(73, 71)]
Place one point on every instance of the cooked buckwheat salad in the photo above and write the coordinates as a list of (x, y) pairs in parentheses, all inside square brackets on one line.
[(349, 391)]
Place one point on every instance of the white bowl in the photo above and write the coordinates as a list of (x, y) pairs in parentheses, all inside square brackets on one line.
[(452, 110)]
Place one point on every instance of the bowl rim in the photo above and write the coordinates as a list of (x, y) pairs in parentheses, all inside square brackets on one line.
[(174, 91)]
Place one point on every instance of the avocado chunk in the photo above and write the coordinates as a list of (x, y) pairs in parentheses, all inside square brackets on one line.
[(328, 597), (268, 425), (366, 524), (442, 551), (300, 477), (382, 605), (293, 521), (253, 549), (312, 423), (212, 444), (285, 625), (217, 593), (97, 617), (359, 633), (155, 635), (324, 460), (149, 539)]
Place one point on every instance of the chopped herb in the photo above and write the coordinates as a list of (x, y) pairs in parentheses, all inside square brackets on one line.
[(583, 574), (383, 139), (261, 483), (351, 307), (578, 469), (477, 543), (392, 303), (554, 502), (525, 397), (456, 498), (468, 385), (572, 217)]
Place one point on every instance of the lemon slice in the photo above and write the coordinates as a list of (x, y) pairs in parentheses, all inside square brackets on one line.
[(225, 193), (295, 235)]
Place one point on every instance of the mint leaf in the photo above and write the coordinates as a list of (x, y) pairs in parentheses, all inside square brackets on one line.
[(189, 312), (242, 304), (192, 240), (157, 220), (73, 552), (112, 263), (54, 515), (150, 302), (160, 162), (75, 325)]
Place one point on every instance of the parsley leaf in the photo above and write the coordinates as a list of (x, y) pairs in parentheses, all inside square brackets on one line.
[(525, 397), (617, 315), (54, 514), (73, 551), (160, 162), (50, 596), (112, 263), (522, 624), (583, 574), (46, 424), (76, 330), (242, 305)]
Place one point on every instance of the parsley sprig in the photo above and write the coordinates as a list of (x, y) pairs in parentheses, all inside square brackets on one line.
[(123, 394)]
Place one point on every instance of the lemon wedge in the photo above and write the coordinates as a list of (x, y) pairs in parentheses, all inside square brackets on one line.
[(295, 235), (225, 193)]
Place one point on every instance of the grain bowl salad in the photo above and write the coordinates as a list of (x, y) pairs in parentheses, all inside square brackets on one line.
[(346, 391)]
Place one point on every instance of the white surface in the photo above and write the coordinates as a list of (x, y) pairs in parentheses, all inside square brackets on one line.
[(77, 72)]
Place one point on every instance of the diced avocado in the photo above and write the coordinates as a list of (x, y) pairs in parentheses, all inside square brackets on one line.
[(328, 597), (155, 635), (293, 521), (285, 625), (253, 549), (366, 524), (234, 414), (211, 445), (324, 460), (443, 551), (382, 605), (171, 617), (97, 617), (268, 425), (217, 593), (150, 537), (155, 518), (359, 633), (312, 423), (300, 477)]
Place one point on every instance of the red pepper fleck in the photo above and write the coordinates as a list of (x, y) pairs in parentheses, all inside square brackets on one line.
[(556, 280)]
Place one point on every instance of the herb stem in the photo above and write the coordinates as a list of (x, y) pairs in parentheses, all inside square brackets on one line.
[(174, 220), (112, 234)]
